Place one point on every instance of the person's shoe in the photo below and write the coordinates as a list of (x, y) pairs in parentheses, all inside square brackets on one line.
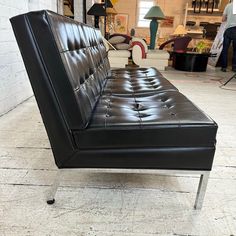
[(223, 69)]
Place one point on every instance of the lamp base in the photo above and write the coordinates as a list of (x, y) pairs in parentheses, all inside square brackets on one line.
[(153, 33), (96, 22)]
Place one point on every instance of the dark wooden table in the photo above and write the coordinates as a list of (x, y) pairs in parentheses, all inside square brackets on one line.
[(190, 61)]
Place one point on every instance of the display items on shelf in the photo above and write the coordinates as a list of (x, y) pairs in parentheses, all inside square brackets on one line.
[(207, 6)]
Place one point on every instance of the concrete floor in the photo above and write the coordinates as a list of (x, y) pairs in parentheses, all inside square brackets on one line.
[(117, 204)]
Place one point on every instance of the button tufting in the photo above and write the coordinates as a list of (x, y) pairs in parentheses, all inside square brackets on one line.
[(143, 115), (166, 106), (164, 99), (138, 107)]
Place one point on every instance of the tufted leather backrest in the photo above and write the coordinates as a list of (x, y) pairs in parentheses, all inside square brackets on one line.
[(75, 60), (84, 57)]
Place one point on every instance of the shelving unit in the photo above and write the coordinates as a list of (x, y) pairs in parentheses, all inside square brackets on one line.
[(215, 16), (196, 32)]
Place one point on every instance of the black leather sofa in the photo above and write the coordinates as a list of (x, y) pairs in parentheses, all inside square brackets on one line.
[(99, 118)]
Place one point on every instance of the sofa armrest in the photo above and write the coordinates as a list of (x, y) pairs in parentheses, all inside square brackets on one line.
[(119, 53), (157, 54)]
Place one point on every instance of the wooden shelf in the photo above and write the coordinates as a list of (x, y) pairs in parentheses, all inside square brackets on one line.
[(203, 9), (203, 13)]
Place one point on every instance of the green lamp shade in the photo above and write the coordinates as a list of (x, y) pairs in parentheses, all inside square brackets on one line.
[(155, 12)]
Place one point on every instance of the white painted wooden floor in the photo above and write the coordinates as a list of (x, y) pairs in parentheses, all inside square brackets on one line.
[(117, 204)]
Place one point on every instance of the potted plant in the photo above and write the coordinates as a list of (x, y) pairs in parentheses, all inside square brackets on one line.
[(201, 47)]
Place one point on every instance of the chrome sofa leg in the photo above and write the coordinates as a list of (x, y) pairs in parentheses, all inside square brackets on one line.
[(54, 187), (201, 190)]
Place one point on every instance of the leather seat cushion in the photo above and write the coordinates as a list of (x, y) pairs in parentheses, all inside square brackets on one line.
[(136, 82), (135, 72), (137, 86), (167, 119)]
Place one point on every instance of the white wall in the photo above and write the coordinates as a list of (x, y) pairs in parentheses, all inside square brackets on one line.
[(14, 83)]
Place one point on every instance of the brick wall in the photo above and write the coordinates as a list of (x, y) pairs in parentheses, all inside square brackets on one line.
[(14, 84)]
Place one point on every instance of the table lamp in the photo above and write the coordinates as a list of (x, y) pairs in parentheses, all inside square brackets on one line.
[(180, 30), (154, 14), (97, 10), (107, 5)]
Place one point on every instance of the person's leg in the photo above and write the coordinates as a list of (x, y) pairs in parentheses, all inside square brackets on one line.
[(233, 35), (224, 53)]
